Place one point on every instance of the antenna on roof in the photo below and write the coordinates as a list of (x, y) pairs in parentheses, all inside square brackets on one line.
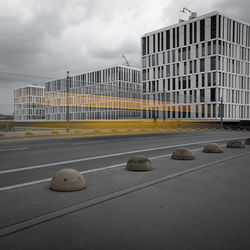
[(125, 59), (192, 14)]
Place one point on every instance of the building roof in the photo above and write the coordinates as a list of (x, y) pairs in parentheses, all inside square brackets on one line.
[(98, 69), (192, 20), (30, 85)]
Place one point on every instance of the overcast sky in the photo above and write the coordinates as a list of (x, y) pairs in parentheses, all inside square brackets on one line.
[(48, 37)]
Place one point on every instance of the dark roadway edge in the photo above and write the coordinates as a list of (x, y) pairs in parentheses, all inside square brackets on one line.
[(103, 137), (14, 228)]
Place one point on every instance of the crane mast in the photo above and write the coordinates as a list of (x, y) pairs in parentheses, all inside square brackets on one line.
[(125, 59)]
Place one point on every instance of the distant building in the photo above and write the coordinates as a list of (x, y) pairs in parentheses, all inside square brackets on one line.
[(29, 103), (188, 67), (109, 93)]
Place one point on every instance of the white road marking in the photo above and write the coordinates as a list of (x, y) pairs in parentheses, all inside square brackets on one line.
[(13, 149), (21, 225), (84, 143), (82, 172), (120, 165), (106, 156)]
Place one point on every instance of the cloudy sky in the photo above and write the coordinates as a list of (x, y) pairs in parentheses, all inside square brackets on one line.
[(42, 39)]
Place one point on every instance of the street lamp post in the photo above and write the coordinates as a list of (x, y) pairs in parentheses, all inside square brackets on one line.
[(221, 112), (67, 101)]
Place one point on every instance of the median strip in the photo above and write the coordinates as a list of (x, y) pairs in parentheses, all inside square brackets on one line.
[(26, 184)]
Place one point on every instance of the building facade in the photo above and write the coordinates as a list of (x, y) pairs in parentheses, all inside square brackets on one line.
[(187, 69), (110, 93), (29, 103)]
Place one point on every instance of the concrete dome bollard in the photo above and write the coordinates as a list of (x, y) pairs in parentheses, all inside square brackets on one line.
[(182, 154), (247, 141), (235, 144), (212, 148), (139, 163), (67, 180)]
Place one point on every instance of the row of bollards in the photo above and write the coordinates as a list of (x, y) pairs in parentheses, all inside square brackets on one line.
[(67, 180)]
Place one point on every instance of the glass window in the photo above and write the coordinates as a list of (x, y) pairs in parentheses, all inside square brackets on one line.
[(173, 84), (202, 30), (159, 42), (213, 63), (189, 52), (213, 94), (203, 49), (209, 79), (214, 78), (178, 36), (195, 66), (167, 70), (213, 27), (143, 46), (197, 81), (202, 95), (197, 50), (168, 39), (184, 82), (202, 65), (153, 43), (214, 47), (179, 54), (184, 53), (185, 34), (195, 32), (209, 48), (173, 55), (203, 80), (173, 38), (190, 33)]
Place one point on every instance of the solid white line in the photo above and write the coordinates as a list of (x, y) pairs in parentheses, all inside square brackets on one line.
[(105, 156), (84, 143), (12, 149), (82, 172), (101, 169)]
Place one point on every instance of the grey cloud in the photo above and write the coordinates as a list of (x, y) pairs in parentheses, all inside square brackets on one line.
[(48, 37), (237, 9)]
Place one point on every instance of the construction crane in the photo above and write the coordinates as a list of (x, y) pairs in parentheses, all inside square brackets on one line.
[(192, 14), (125, 59)]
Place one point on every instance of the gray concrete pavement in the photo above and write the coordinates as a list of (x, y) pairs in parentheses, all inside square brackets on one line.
[(203, 209)]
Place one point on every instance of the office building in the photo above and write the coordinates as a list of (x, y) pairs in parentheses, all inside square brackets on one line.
[(190, 67), (29, 103), (109, 93)]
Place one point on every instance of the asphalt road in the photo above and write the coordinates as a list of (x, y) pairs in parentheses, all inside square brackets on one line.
[(32, 160), (200, 204)]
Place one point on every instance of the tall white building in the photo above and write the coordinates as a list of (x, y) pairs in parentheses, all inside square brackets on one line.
[(189, 66), (29, 103), (109, 93)]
